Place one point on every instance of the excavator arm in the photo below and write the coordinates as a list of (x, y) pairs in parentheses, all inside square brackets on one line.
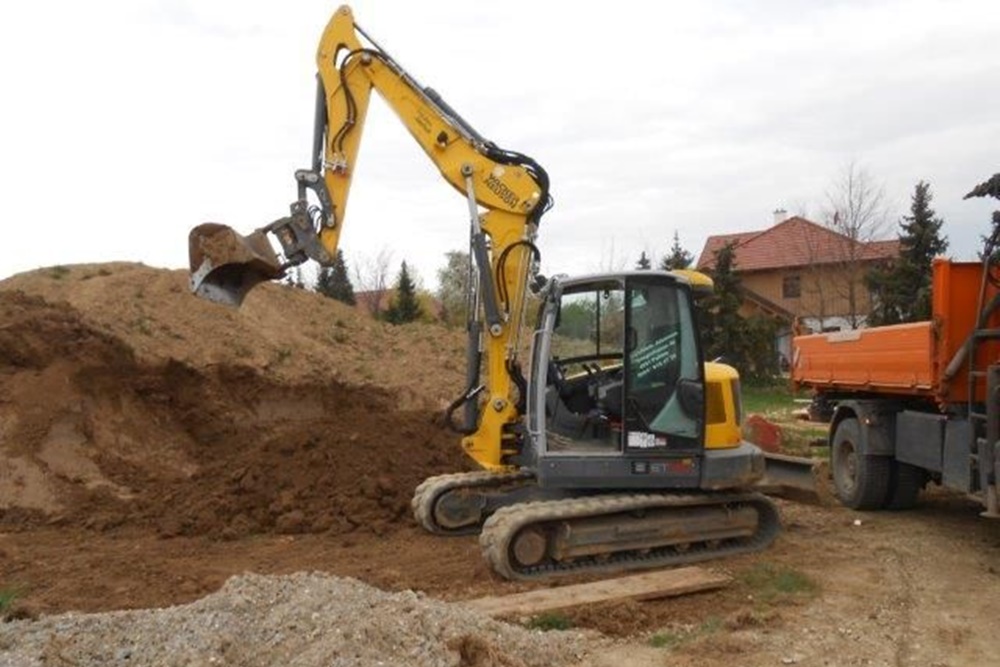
[(507, 193)]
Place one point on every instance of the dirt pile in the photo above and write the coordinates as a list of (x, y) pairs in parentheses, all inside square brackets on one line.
[(290, 334), (125, 402)]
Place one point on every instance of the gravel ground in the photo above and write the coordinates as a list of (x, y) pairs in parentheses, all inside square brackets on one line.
[(302, 620)]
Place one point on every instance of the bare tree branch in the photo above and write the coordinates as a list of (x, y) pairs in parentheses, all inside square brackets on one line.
[(371, 275), (856, 210)]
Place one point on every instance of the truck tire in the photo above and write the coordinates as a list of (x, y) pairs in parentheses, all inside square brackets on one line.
[(905, 483), (861, 481)]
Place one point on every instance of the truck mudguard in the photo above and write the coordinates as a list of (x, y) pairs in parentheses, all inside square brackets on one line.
[(877, 419)]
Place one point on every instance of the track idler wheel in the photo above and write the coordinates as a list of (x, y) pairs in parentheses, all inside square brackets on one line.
[(530, 547)]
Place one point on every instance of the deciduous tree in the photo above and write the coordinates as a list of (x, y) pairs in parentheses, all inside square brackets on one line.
[(371, 275), (856, 210), (453, 286)]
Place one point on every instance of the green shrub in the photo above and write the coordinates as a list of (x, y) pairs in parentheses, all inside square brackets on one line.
[(549, 621)]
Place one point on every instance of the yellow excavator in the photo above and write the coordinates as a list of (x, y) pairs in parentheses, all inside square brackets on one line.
[(622, 448)]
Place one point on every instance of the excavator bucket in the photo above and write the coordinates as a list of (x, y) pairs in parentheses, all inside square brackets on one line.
[(225, 265)]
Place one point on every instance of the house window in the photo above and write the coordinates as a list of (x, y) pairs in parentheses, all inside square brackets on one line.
[(791, 287)]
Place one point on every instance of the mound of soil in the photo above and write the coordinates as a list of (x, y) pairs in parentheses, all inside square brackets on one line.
[(191, 421)]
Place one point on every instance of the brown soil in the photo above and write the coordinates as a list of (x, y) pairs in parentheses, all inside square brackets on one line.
[(152, 445)]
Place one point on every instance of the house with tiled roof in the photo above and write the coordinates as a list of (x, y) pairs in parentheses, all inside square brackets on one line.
[(800, 272)]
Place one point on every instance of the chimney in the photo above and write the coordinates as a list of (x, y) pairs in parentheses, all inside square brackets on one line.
[(780, 215)]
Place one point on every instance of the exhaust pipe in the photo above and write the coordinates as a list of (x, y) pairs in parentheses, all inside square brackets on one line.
[(225, 265)]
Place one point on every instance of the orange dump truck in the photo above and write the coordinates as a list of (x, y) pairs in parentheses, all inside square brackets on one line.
[(912, 403)]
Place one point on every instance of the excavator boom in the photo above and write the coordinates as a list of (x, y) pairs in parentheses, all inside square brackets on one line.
[(512, 187), (506, 193)]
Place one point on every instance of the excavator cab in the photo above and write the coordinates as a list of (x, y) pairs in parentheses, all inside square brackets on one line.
[(619, 399), (622, 413)]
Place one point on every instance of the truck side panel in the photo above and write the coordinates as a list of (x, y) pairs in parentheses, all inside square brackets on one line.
[(895, 359)]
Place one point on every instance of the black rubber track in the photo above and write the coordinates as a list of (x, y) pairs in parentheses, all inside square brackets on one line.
[(505, 523)]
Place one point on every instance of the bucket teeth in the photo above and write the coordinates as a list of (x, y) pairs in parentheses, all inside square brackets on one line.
[(225, 265)]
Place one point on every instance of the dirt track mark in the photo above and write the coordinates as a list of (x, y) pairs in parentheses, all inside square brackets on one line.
[(902, 602)]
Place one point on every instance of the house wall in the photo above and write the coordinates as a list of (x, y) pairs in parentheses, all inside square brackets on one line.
[(822, 292)]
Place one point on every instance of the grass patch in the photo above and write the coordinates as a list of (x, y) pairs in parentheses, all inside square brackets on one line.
[(143, 325), (804, 438), (770, 582), (7, 598), (549, 621), (670, 639), (58, 272), (666, 639), (776, 399), (242, 351), (777, 404), (102, 272)]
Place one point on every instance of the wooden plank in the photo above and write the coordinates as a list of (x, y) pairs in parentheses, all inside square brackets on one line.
[(645, 586)]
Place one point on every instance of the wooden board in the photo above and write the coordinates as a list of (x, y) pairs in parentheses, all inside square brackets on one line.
[(645, 586)]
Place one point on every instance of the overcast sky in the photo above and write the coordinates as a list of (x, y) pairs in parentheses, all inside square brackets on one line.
[(126, 123)]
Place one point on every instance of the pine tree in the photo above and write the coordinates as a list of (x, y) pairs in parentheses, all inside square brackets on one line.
[(679, 258), (991, 243), (405, 307), (643, 264), (722, 332), (334, 282), (747, 344), (902, 290)]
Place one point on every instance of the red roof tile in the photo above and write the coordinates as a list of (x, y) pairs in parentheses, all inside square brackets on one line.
[(716, 243), (794, 242)]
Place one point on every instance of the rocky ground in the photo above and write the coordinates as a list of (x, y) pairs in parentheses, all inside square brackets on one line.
[(153, 447), (303, 619)]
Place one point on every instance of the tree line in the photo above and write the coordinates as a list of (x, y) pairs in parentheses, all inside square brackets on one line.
[(334, 281), (900, 289)]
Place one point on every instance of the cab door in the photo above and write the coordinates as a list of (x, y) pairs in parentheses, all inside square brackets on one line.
[(664, 406)]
